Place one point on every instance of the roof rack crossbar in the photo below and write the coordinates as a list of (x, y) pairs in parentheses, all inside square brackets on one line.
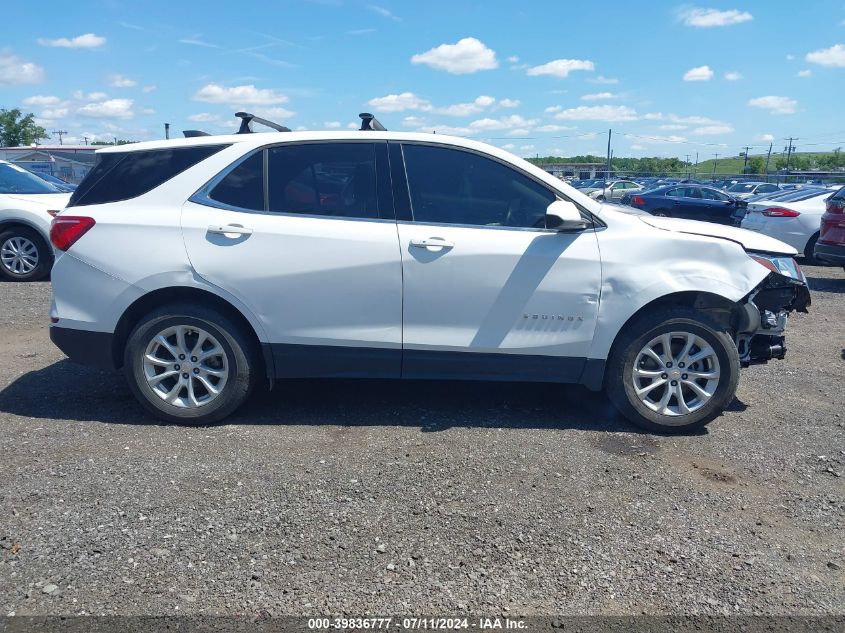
[(248, 119), (371, 123)]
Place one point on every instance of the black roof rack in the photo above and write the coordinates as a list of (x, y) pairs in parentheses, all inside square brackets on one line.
[(193, 133), (370, 123), (247, 120)]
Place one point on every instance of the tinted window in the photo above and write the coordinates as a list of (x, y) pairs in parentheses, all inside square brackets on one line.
[(712, 194), (450, 186), (14, 179), (684, 192), (741, 187), (333, 179), (125, 175), (766, 188), (243, 187)]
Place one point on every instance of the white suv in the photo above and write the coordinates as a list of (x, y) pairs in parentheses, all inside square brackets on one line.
[(205, 265)]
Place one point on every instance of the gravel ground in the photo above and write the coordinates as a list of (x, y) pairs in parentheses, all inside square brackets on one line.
[(371, 497)]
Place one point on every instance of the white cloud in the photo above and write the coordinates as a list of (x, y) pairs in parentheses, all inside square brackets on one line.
[(15, 71), (699, 73), (149, 88), (833, 56), (636, 146), (767, 138), (712, 130), (400, 103), (790, 57), (705, 18), (279, 115), (119, 81), (204, 117), (598, 113), (509, 103), (148, 111), (385, 13), (601, 79), (774, 104), (513, 59), (673, 126), (195, 41), (332, 125), (54, 113), (657, 140), (467, 109), (600, 96), (110, 109), (805, 73), (88, 40), (468, 55), (733, 76), (512, 122), (561, 67), (239, 95), (553, 128), (41, 100), (96, 96)]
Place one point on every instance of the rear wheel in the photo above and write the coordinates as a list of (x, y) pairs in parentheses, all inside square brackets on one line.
[(189, 364), (809, 252), (24, 255), (661, 213), (672, 371)]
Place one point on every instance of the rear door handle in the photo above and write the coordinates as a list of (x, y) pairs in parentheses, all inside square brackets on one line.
[(432, 242), (229, 229)]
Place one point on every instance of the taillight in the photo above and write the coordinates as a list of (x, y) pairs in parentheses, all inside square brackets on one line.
[(780, 212), (836, 205), (66, 230), (638, 201)]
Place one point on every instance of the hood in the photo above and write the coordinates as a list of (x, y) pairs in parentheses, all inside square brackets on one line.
[(749, 240), (49, 201)]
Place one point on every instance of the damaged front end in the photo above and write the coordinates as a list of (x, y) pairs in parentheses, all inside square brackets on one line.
[(760, 333)]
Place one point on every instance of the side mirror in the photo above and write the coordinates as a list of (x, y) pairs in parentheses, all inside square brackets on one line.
[(564, 216)]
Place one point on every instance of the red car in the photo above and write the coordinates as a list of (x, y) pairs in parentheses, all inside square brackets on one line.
[(831, 244)]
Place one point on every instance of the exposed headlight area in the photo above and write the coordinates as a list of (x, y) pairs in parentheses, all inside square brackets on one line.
[(760, 337)]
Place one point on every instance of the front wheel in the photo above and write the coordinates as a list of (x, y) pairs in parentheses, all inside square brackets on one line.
[(672, 371), (189, 364)]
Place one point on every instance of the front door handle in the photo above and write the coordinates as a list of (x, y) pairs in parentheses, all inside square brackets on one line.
[(229, 229), (432, 242)]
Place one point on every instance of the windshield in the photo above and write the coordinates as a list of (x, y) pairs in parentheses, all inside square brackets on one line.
[(742, 187), (14, 179)]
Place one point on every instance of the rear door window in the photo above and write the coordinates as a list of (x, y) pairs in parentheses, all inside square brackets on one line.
[(243, 187), (125, 175)]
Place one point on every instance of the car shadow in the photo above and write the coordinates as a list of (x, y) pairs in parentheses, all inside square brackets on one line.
[(65, 391), (824, 284)]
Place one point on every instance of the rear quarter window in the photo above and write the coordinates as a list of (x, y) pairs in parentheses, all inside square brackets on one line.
[(126, 175)]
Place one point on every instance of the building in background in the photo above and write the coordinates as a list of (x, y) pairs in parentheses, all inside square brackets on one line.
[(69, 162), (580, 171)]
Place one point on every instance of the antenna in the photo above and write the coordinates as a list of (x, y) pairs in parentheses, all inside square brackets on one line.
[(370, 123), (247, 120)]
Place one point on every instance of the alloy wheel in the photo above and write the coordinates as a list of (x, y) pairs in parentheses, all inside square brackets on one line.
[(19, 255)]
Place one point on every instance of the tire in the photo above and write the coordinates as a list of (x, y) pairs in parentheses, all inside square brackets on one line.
[(230, 369), (28, 242), (809, 252), (682, 324), (601, 198)]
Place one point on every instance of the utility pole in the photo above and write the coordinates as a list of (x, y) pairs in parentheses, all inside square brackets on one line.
[(115, 140), (85, 138), (167, 130), (695, 171), (768, 156), (745, 153), (607, 170), (715, 160), (688, 164), (789, 149), (60, 133)]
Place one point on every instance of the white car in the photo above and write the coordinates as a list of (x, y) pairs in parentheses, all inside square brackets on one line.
[(743, 190), (613, 190), (205, 265), (794, 219), (27, 205)]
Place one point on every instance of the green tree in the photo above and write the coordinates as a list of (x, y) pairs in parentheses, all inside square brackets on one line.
[(756, 164), (16, 129)]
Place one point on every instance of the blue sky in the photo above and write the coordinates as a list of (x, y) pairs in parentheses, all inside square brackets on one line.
[(534, 77)]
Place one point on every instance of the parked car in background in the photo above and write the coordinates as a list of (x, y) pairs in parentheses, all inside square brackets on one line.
[(58, 183), (589, 183), (748, 189), (766, 199), (27, 205), (794, 219), (693, 202), (612, 190), (443, 258), (830, 247)]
